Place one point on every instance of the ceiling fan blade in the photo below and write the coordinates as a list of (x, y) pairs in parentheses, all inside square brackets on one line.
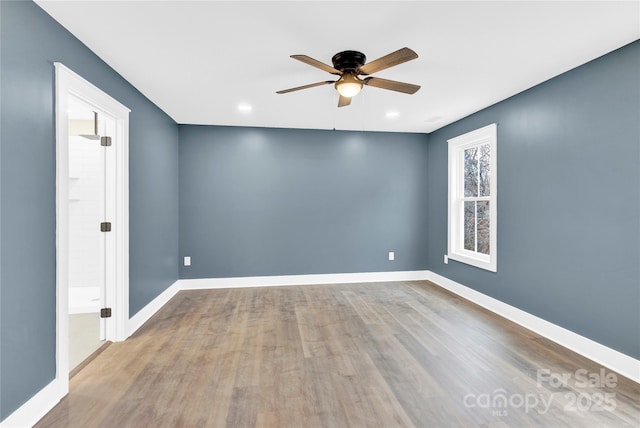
[(394, 58), (312, 85), (391, 85), (344, 101), (314, 62)]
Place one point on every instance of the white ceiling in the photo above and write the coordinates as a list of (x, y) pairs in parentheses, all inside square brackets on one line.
[(198, 60)]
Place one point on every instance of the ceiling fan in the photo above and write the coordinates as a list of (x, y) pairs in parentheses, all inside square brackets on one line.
[(351, 64)]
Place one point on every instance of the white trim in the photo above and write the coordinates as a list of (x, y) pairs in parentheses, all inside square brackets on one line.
[(67, 84), (455, 249), (273, 281), (143, 315), (615, 360), (39, 405)]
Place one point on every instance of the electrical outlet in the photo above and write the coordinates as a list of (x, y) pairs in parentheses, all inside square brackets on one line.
[(187, 260), (392, 256), (446, 259)]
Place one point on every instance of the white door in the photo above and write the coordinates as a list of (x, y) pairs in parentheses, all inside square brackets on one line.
[(91, 205)]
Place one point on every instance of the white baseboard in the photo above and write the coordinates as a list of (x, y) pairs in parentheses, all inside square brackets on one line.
[(136, 321), (617, 361), (272, 281), (33, 410)]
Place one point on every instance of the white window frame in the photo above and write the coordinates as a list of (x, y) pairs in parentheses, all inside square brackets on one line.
[(455, 235)]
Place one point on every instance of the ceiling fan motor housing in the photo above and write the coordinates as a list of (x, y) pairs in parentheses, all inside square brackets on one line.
[(348, 61)]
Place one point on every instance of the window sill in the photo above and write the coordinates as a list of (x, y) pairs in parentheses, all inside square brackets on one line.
[(471, 259)]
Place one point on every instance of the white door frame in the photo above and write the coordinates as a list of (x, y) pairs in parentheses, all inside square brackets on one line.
[(69, 84)]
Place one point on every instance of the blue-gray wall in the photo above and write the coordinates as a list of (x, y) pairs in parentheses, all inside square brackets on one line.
[(30, 42), (275, 202), (257, 201), (568, 201)]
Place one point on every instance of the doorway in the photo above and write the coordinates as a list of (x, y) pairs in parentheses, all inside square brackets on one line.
[(88, 202), (92, 235)]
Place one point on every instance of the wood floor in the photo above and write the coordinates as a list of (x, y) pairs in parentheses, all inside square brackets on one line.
[(396, 354)]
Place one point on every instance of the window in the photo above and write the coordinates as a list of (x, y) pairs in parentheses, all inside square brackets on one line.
[(472, 198)]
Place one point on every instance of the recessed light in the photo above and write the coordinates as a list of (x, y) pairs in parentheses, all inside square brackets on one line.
[(245, 108), (392, 114)]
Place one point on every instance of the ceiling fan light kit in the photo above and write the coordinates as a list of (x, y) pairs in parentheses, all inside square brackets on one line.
[(349, 65), (349, 85)]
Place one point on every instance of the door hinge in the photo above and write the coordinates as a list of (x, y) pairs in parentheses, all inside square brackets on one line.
[(105, 313), (105, 227), (105, 141)]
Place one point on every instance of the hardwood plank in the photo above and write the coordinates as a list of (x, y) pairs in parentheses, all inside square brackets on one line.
[(400, 354), (90, 358)]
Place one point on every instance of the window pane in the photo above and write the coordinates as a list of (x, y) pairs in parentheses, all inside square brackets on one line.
[(483, 227), (470, 226), (485, 169), (471, 172)]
